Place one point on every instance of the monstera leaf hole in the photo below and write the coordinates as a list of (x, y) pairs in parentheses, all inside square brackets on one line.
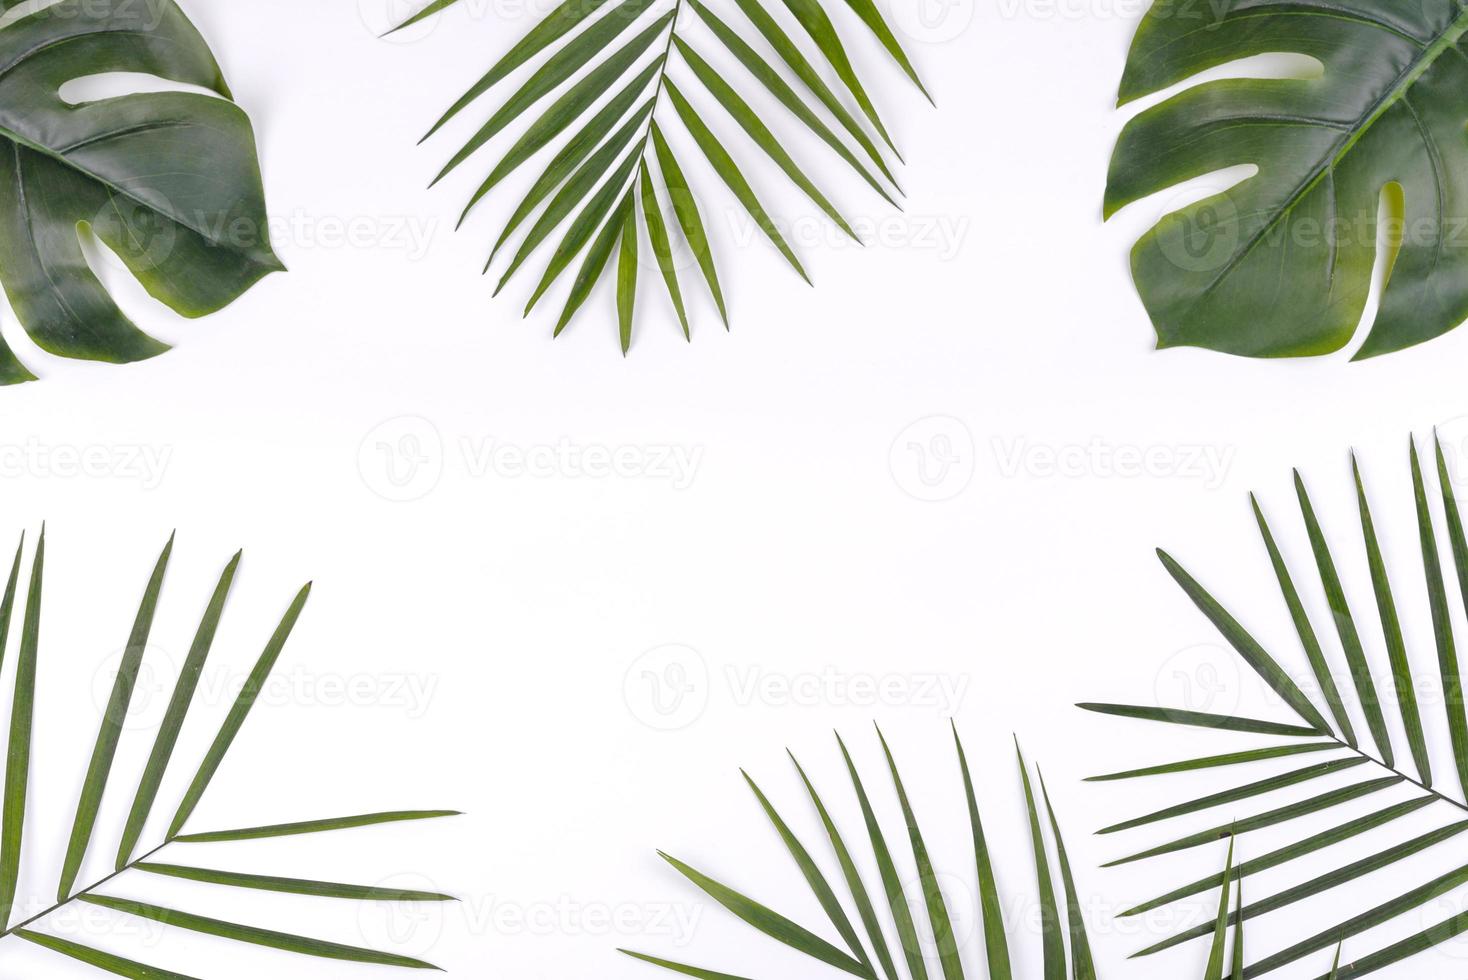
[(114, 115), (1282, 264)]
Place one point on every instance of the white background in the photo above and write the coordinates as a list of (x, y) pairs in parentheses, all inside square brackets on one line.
[(524, 606)]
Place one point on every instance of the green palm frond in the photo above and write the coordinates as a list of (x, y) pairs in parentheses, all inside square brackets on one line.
[(614, 74), (129, 862), (873, 956), (1337, 801)]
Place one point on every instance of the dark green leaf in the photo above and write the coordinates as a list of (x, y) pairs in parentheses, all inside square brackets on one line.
[(771, 923), (662, 246), (1050, 927), (292, 886), (1306, 631), (1248, 648), (173, 718), (238, 712), (1082, 966), (728, 171), (1391, 629), (254, 935), (168, 180), (115, 965), (1197, 719), (996, 944), (313, 826), (1345, 625), (18, 748), (111, 729), (1214, 761), (685, 209)]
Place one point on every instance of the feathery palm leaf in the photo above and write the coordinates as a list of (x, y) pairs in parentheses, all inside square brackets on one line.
[(607, 78), (13, 827), (875, 957), (1370, 769)]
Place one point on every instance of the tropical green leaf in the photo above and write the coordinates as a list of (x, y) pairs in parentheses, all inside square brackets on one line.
[(923, 893), (1279, 264), (1342, 843), (253, 934), (167, 180), (582, 53), (74, 888)]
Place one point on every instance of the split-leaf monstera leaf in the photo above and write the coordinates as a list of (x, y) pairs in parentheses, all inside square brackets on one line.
[(168, 180), (1280, 263)]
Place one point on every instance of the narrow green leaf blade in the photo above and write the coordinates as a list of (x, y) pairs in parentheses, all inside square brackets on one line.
[(750, 122), (1198, 719), (1269, 818), (1214, 970), (813, 17), (173, 718), (766, 74), (939, 920), (996, 943), (1306, 631), (1283, 855), (18, 752), (238, 713), (771, 923), (1268, 785), (872, 17), (110, 731), (1391, 626), (1254, 655), (627, 274), (555, 25), (570, 106), (1050, 927), (1357, 924), (1216, 761), (116, 965), (819, 887), (291, 886), (1325, 882), (254, 935), (728, 171), (907, 936), (791, 54), (662, 246), (1082, 964), (578, 148), (560, 67), (1442, 624), (575, 191), (1345, 625), (582, 228), (313, 826), (685, 209), (683, 968), (854, 883), (595, 262)]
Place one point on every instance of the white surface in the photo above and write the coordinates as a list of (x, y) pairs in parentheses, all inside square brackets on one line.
[(527, 604)]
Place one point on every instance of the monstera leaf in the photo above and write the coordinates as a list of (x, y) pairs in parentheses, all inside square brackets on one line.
[(614, 73), (141, 861), (894, 896), (168, 180), (1280, 263), (1348, 787)]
